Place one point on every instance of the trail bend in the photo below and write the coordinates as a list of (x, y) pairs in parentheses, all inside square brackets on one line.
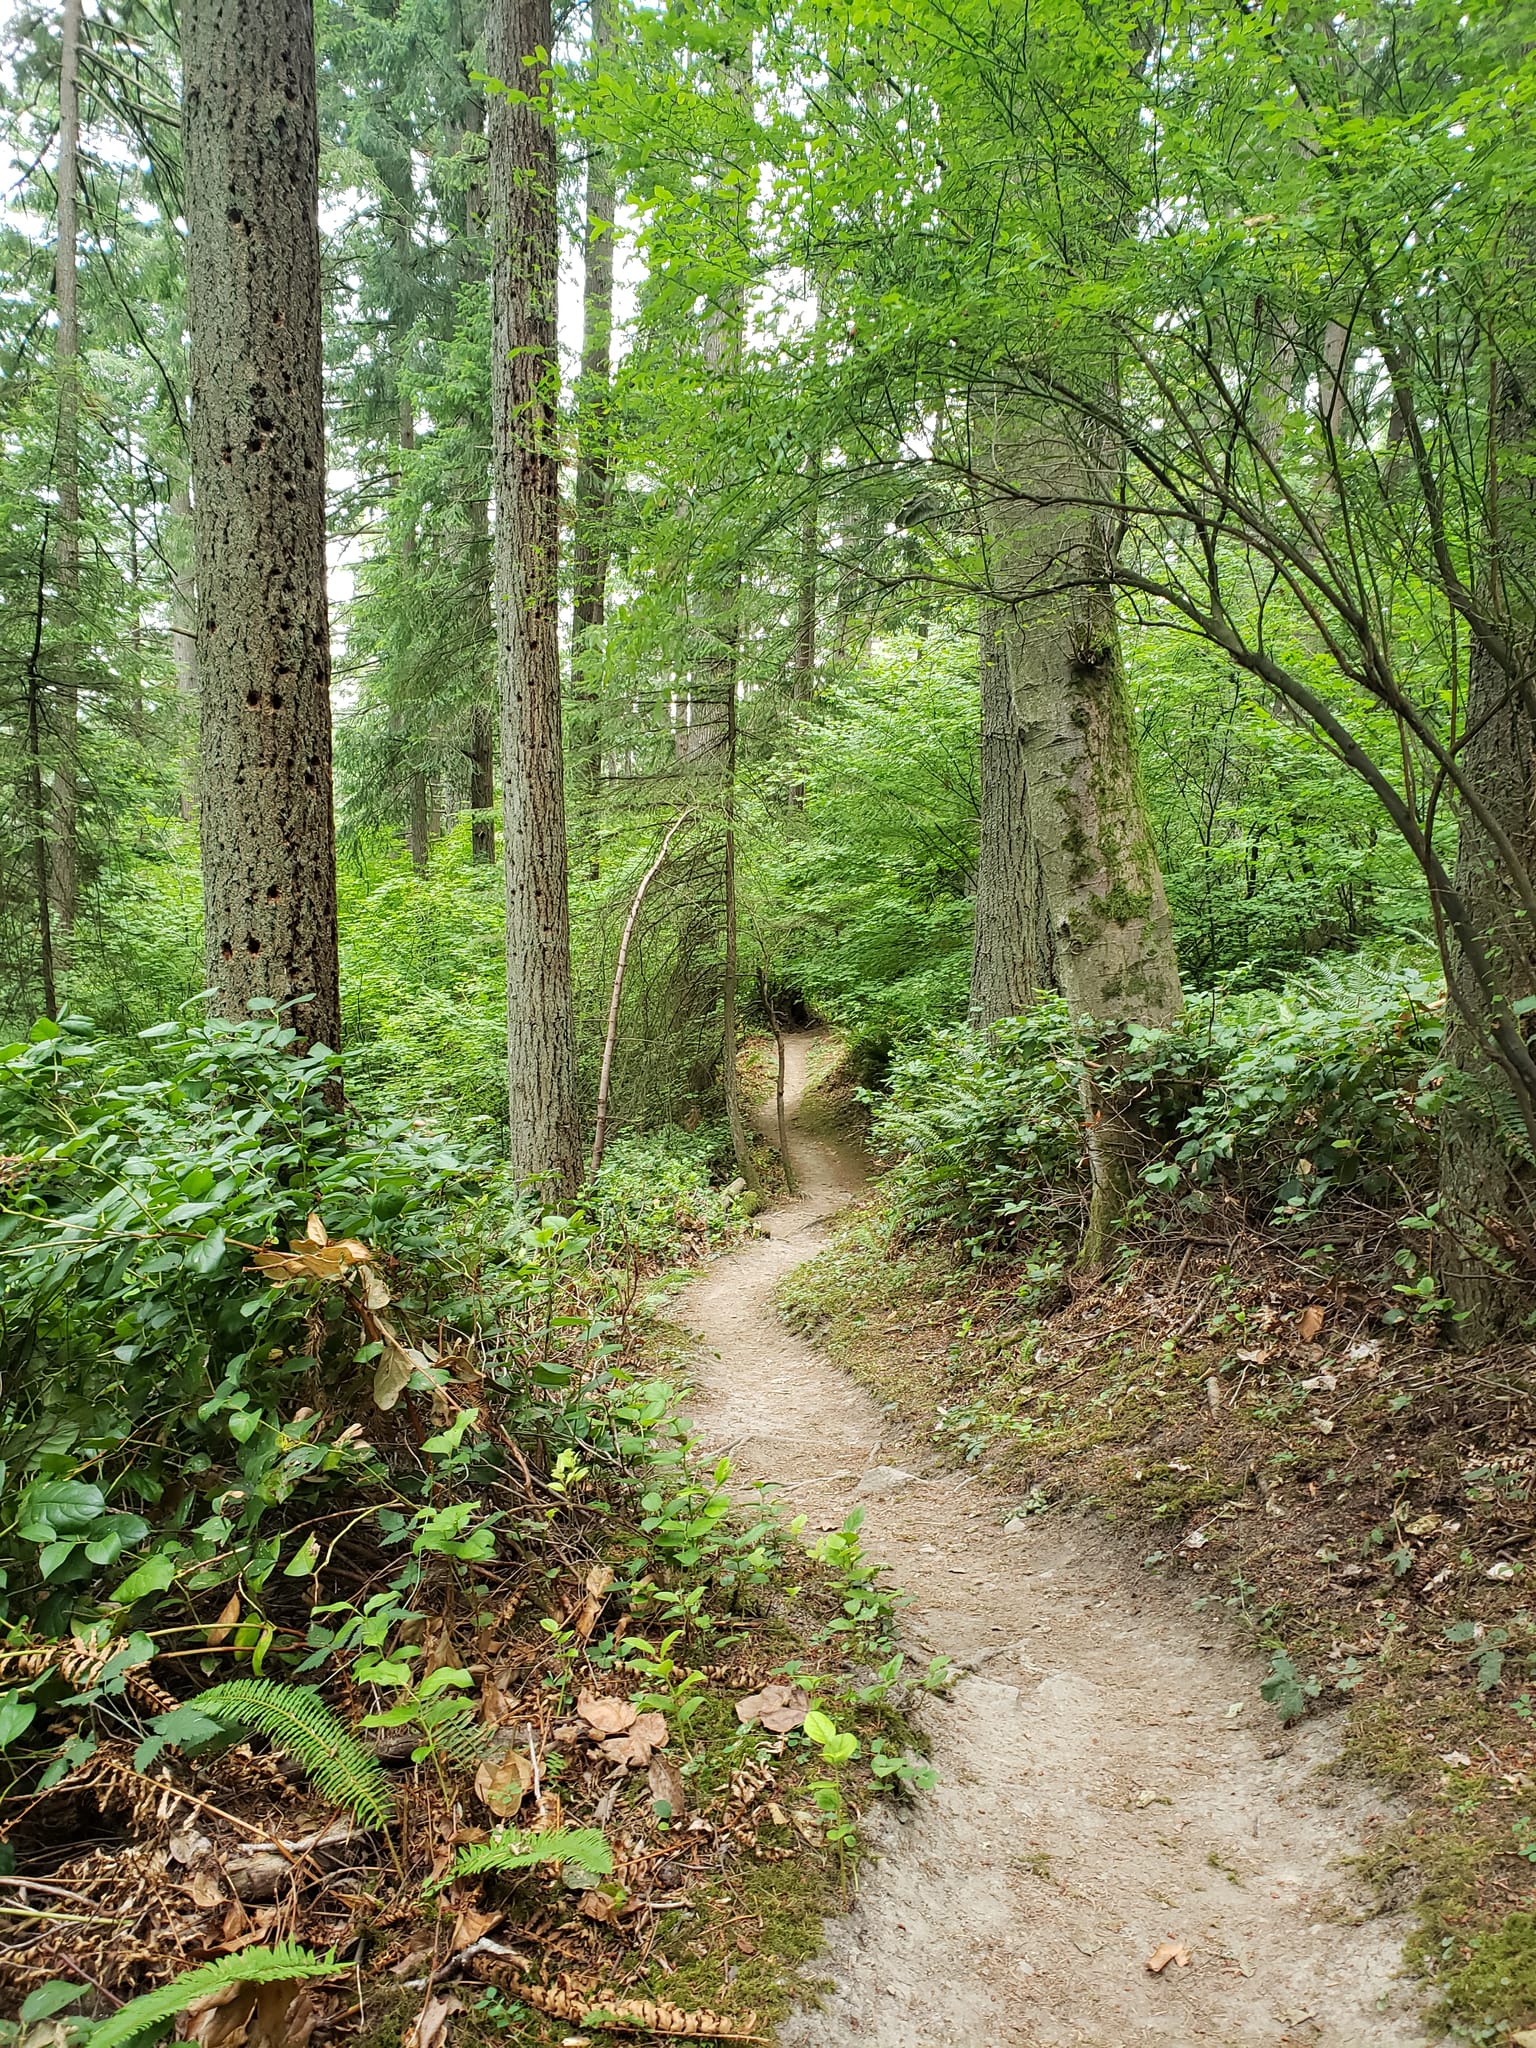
[(1109, 1778)]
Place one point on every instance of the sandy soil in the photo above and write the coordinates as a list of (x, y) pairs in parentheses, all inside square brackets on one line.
[(1109, 1777)]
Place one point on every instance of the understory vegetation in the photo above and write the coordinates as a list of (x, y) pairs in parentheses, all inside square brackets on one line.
[(322, 1436), (589, 541)]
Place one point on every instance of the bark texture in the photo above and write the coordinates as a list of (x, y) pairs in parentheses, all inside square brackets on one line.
[(589, 577), (541, 1063), (1011, 957), (63, 867), (1106, 905), (1488, 1194), (251, 152)]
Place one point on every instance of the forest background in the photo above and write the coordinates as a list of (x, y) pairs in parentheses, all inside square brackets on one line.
[(1005, 529)]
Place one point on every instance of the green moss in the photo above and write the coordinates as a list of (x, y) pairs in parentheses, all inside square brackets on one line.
[(1496, 1980)]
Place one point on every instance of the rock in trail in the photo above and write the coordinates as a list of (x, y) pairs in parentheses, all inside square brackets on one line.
[(1109, 1778)]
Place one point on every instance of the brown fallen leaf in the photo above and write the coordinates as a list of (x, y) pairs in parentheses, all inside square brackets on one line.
[(229, 1614), (430, 2026), (1170, 1952), (635, 2015), (667, 1787), (469, 1926), (503, 1782), (634, 1746), (397, 1362), (608, 1717), (778, 1708), (1311, 1323)]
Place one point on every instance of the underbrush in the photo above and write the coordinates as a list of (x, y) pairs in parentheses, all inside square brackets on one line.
[(370, 1623), (1357, 1500), (1316, 1100)]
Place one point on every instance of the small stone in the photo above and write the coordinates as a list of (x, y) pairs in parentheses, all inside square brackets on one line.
[(1015, 1527), (880, 1479)]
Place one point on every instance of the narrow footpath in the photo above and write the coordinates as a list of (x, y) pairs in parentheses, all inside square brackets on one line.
[(1110, 1780)]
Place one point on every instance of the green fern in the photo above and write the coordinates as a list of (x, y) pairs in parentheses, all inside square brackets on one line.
[(287, 1963), (509, 1850), (294, 1716)]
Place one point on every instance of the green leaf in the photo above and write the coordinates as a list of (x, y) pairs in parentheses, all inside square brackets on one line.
[(50, 1998), (53, 1507), (510, 1850), (303, 1561), (152, 1576), (52, 1555), (285, 1964), (16, 1717), (296, 1717)]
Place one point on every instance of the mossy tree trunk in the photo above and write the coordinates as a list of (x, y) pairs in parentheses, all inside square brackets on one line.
[(541, 1060), (1106, 906), (251, 151), (1487, 1185), (1011, 954)]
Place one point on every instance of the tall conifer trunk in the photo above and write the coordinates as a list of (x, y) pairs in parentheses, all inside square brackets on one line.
[(1111, 934), (251, 150), (541, 1062), (63, 865), (589, 577)]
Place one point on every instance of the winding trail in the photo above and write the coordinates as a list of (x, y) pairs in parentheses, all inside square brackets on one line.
[(1109, 1778)]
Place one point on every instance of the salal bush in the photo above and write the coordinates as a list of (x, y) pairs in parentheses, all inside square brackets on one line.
[(159, 1392), (1323, 1091)]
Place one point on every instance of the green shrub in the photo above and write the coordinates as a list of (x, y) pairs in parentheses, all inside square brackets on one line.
[(1325, 1089)]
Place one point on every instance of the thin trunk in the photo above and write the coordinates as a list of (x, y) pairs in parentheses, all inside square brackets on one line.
[(781, 1115), (541, 1061), (482, 788), (418, 829), (611, 1035), (65, 717), (184, 640), (482, 764), (589, 572), (251, 151), (1010, 960), (136, 620), (1103, 886), (741, 1139), (36, 791), (1488, 1197), (803, 669)]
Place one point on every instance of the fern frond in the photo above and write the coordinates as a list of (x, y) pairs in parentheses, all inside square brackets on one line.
[(296, 1717), (287, 1963), (509, 1849)]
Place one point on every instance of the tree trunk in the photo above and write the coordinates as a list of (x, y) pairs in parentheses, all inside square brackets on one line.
[(482, 788), (482, 761), (730, 1078), (251, 151), (63, 885), (541, 1062), (1488, 1197), (184, 639), (1011, 956), (589, 571), (418, 825), (803, 668), (1107, 909)]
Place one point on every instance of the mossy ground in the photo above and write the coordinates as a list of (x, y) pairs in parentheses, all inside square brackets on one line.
[(1357, 1502)]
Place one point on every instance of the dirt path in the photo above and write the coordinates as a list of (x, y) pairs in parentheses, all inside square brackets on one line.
[(1109, 1777)]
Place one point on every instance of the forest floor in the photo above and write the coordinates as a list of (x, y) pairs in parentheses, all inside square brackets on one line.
[(1111, 1785)]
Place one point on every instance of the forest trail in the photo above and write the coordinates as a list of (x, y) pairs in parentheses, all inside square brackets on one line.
[(1109, 1777)]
